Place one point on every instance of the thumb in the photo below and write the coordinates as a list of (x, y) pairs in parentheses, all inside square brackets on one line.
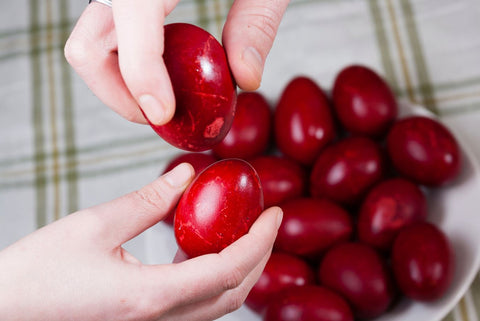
[(130, 215), (248, 36)]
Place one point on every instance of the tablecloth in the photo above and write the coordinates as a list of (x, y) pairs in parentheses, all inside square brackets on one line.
[(61, 149)]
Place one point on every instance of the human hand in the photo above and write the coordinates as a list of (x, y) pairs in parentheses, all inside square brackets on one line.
[(118, 52), (76, 268)]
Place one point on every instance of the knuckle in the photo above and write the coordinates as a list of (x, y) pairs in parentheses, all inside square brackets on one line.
[(154, 198), (234, 302), (76, 51), (265, 20), (233, 279)]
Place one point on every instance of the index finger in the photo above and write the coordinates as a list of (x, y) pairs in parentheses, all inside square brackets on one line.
[(139, 26)]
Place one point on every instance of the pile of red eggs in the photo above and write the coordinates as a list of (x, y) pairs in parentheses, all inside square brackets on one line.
[(351, 178)]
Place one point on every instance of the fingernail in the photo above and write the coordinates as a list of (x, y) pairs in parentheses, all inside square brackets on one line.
[(179, 175), (152, 108), (252, 58), (279, 217)]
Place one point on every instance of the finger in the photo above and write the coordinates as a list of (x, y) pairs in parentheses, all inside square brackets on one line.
[(91, 51), (226, 302), (139, 26), (210, 275), (126, 217), (248, 36)]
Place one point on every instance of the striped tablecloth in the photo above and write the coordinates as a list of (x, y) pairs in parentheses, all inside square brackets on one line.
[(61, 149)]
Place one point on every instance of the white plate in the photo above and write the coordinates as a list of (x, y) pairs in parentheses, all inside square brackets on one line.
[(456, 209)]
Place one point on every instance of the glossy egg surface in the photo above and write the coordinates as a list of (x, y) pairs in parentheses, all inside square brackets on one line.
[(308, 303), (281, 271), (251, 129), (199, 162), (218, 207), (205, 92), (281, 178), (303, 121), (423, 261), (312, 225), (346, 170), (363, 101), (358, 273), (388, 207), (424, 150)]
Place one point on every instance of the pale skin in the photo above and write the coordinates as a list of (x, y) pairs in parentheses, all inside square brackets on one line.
[(76, 267), (119, 50)]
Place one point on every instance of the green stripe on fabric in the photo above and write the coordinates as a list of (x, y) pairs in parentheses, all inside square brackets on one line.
[(105, 146), (68, 116), (457, 84), (449, 317), (219, 17), (97, 162), (446, 86), (62, 25), (396, 35), (383, 47), (426, 89), (38, 130), (475, 291), (54, 139), (38, 30), (116, 170), (462, 307), (459, 110), (202, 13), (41, 48)]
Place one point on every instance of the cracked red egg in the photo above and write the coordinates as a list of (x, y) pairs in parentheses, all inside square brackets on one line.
[(218, 207), (205, 92)]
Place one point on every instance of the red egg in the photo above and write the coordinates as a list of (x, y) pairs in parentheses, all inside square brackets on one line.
[(199, 161), (424, 150), (251, 129), (363, 101), (281, 271), (218, 207), (308, 303), (310, 226), (205, 91), (345, 171), (358, 273), (303, 121), (281, 178), (422, 261), (388, 207)]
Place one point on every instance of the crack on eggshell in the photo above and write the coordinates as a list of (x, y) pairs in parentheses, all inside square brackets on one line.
[(213, 129), (189, 227), (192, 121), (207, 45), (209, 95)]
